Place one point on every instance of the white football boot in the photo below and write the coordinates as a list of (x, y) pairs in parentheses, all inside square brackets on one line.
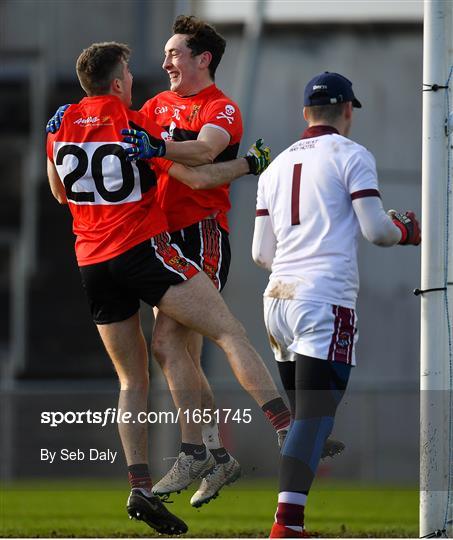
[(221, 475), (185, 470)]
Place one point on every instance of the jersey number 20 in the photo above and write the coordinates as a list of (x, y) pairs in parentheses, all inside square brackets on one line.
[(147, 176)]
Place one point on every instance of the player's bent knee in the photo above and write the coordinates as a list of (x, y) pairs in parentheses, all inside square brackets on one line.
[(159, 351), (139, 383), (163, 350)]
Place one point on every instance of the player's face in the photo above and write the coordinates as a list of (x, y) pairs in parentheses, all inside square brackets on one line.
[(182, 68), (127, 85)]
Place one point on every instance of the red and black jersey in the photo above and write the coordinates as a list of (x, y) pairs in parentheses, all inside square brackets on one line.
[(181, 119), (113, 201)]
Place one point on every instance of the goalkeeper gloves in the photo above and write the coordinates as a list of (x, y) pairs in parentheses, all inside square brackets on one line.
[(258, 157), (408, 225), (53, 125), (145, 146)]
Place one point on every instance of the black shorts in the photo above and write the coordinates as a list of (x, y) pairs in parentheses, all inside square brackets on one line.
[(144, 272), (207, 244)]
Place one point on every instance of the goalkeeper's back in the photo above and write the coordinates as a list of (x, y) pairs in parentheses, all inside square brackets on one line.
[(308, 192)]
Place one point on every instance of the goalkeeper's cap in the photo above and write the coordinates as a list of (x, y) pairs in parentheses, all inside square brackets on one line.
[(329, 88)]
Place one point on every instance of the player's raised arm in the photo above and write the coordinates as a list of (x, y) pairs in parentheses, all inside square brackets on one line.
[(254, 162)]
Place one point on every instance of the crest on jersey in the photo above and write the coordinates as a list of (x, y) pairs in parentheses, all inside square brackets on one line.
[(194, 112)]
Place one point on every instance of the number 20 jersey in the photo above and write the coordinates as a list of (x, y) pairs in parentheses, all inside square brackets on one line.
[(112, 201), (308, 191)]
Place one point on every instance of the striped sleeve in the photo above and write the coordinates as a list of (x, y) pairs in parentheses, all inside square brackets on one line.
[(365, 193), (361, 175), (261, 203)]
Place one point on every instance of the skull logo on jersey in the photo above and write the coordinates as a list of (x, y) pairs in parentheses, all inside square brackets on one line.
[(229, 109), (227, 115)]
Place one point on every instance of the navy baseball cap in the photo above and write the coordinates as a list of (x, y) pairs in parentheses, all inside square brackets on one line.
[(329, 88)]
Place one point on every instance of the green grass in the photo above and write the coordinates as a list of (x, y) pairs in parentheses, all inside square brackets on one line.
[(97, 509)]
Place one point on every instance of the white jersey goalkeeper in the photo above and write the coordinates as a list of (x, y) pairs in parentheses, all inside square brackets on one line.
[(312, 203)]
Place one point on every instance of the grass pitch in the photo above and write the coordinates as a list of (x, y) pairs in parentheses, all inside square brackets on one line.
[(246, 509)]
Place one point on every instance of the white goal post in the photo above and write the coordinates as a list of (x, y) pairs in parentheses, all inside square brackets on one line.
[(436, 305)]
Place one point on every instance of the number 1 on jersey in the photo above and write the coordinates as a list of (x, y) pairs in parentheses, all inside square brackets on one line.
[(295, 194)]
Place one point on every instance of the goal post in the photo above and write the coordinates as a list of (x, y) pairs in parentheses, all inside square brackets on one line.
[(437, 246)]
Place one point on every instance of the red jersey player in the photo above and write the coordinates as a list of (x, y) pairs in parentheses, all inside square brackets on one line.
[(125, 254), (209, 126)]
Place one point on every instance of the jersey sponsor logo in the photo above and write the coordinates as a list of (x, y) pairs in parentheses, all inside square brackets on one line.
[(305, 144), (92, 120), (89, 120), (161, 110)]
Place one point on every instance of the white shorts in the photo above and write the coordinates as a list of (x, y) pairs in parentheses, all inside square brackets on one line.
[(312, 329)]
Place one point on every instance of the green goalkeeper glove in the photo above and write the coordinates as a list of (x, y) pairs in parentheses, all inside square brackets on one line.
[(258, 157)]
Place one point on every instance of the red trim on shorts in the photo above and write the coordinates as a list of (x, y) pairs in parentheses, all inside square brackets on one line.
[(295, 194), (262, 212), (211, 250), (172, 258), (342, 342), (365, 193)]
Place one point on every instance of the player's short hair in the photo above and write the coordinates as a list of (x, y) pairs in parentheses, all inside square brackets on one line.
[(327, 113), (99, 64), (201, 37)]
